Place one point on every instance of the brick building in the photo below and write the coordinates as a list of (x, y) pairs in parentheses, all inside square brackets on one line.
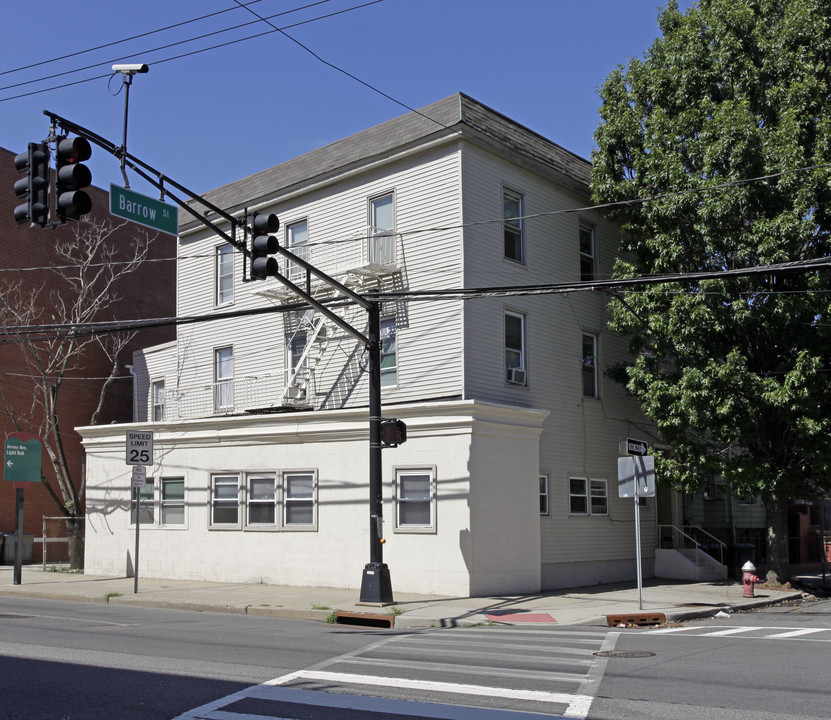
[(146, 293)]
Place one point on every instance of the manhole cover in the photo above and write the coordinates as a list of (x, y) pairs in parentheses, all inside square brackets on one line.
[(625, 653)]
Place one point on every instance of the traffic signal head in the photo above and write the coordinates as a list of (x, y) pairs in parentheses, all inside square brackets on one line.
[(72, 177), (263, 246), (393, 433), (34, 188)]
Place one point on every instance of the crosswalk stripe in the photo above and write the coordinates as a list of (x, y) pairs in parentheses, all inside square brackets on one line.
[(732, 631), (796, 633), (577, 704)]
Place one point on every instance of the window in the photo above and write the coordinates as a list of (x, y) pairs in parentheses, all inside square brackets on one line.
[(543, 494), (157, 391), (415, 500), (515, 348), (588, 497), (512, 226), (224, 275), (224, 378), (587, 267), (299, 499), (297, 239), (172, 504), (389, 370), (381, 248), (262, 500), (146, 504), (225, 500), (589, 365)]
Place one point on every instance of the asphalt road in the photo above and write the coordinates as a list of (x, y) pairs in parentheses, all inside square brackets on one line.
[(68, 661)]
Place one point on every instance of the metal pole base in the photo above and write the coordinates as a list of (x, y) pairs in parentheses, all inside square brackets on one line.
[(376, 587)]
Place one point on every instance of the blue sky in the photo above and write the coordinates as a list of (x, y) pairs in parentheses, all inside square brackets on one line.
[(216, 116)]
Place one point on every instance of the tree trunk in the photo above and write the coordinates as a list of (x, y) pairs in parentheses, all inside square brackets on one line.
[(75, 540), (778, 560)]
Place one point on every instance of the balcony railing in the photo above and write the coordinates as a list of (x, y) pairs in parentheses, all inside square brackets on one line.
[(232, 397), (364, 254)]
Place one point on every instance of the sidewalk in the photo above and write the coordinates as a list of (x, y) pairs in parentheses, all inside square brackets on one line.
[(581, 606)]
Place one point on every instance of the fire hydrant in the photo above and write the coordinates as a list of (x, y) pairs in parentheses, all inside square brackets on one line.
[(749, 579)]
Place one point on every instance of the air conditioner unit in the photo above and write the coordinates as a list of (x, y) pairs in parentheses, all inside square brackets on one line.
[(516, 376)]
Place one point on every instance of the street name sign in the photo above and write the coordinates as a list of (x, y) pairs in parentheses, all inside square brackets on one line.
[(143, 210), (21, 462), (139, 447)]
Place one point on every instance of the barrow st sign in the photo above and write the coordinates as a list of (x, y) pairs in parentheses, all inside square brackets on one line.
[(143, 210)]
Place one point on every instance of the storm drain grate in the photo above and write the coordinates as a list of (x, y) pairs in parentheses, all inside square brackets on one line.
[(636, 619), (625, 653), (345, 617)]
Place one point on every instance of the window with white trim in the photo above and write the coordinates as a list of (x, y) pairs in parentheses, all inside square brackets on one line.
[(224, 378), (587, 259), (543, 494), (172, 501), (389, 365), (588, 496), (297, 240), (225, 500), (261, 500), (381, 245), (415, 500), (515, 373), (157, 391), (224, 275), (512, 226), (299, 500), (589, 366)]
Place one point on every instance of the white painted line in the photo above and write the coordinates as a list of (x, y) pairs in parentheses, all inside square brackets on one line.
[(578, 705), (731, 631), (795, 633), (667, 631)]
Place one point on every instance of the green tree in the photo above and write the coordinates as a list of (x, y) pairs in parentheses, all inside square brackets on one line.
[(734, 372)]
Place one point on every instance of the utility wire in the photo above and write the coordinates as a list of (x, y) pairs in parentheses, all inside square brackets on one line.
[(188, 54), (127, 39)]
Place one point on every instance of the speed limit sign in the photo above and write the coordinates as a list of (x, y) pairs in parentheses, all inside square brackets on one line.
[(139, 448)]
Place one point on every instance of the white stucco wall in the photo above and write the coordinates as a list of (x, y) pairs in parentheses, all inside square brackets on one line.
[(485, 537)]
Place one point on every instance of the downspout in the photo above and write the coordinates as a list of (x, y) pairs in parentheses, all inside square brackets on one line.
[(135, 381)]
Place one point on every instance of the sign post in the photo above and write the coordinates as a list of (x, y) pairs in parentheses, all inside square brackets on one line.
[(139, 454), (21, 464), (636, 479)]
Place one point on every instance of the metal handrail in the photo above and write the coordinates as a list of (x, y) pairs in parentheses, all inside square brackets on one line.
[(696, 544), (722, 546)]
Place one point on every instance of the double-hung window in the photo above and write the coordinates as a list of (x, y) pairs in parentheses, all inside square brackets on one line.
[(389, 365), (224, 275), (588, 497), (543, 494), (381, 248), (587, 258), (589, 368), (514, 242), (157, 391), (515, 370), (172, 503), (297, 240), (225, 500), (299, 505), (262, 501), (415, 500), (224, 378)]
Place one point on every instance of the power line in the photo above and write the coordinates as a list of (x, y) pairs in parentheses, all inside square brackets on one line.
[(181, 56)]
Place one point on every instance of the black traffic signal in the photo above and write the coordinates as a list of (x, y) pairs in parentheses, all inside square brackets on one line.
[(34, 188), (393, 433), (71, 177), (263, 246)]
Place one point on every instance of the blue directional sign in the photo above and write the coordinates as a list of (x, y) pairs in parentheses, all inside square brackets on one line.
[(21, 462)]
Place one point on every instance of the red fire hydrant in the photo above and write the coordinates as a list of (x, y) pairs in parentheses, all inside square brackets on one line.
[(749, 579)]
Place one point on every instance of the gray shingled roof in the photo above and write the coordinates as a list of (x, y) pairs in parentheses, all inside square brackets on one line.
[(457, 114)]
